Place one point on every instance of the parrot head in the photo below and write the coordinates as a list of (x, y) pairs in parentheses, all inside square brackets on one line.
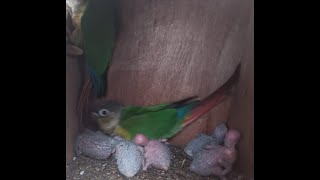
[(107, 115)]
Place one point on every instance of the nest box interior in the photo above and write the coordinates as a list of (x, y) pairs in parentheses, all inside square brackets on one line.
[(198, 48)]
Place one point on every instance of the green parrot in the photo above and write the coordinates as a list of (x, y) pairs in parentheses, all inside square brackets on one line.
[(95, 30), (159, 121)]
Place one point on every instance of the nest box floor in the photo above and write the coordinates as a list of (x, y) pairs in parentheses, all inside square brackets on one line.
[(83, 168)]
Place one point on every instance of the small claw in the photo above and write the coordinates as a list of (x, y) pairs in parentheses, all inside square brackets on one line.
[(69, 26), (75, 37), (72, 50), (68, 8), (145, 166)]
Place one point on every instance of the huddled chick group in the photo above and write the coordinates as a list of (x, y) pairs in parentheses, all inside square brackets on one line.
[(211, 155)]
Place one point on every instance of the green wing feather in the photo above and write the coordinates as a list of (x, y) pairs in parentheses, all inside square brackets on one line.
[(156, 122), (130, 111), (98, 31), (97, 35), (154, 125)]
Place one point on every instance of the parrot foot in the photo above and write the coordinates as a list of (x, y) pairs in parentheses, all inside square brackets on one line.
[(68, 22), (75, 37), (68, 9), (117, 137), (71, 36), (72, 50), (163, 140), (145, 165)]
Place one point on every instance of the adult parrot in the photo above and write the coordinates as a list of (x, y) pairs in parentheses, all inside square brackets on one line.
[(95, 23), (158, 121)]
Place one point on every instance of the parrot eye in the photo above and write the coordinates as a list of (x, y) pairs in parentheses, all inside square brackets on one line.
[(103, 112)]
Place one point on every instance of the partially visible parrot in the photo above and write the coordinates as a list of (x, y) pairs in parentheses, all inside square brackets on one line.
[(95, 23), (159, 121)]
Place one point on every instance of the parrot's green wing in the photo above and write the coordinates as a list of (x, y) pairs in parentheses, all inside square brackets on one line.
[(98, 31), (97, 34), (154, 125), (155, 122), (130, 111)]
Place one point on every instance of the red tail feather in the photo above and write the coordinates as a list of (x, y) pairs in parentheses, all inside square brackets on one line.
[(84, 97), (214, 99)]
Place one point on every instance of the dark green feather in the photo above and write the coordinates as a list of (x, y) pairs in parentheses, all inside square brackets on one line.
[(154, 125), (161, 121), (130, 111), (138, 110), (98, 30)]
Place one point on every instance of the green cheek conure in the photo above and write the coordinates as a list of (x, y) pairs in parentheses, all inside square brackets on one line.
[(159, 121)]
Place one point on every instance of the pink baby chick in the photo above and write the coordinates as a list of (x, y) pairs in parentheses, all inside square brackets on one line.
[(156, 153)]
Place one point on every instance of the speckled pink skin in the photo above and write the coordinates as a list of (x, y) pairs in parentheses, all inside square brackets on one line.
[(142, 140), (196, 144), (232, 138), (157, 154), (217, 160)]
